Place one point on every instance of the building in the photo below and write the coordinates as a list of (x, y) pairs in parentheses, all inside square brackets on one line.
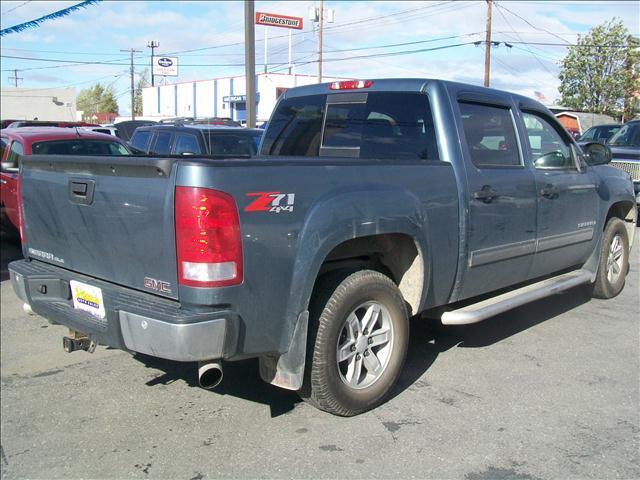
[(38, 103), (219, 97), (579, 122)]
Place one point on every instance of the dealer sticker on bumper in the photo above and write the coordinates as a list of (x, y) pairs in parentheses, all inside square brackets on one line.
[(87, 298)]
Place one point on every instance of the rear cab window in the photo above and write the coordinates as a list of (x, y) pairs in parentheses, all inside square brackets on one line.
[(230, 143), (376, 125), (79, 147)]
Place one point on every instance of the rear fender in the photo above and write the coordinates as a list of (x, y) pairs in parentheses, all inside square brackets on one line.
[(335, 218)]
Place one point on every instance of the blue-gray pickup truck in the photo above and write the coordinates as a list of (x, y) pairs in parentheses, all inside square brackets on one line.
[(370, 202)]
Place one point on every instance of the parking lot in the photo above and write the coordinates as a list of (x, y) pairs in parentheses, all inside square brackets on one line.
[(549, 390)]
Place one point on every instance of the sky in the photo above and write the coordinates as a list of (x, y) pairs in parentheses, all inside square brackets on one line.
[(424, 39)]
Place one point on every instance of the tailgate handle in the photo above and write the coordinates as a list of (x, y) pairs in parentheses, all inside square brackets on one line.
[(81, 191), (79, 188)]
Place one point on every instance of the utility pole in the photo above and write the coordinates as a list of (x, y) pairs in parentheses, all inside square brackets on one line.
[(133, 89), (320, 25), (487, 47), (152, 44), (15, 78), (250, 61)]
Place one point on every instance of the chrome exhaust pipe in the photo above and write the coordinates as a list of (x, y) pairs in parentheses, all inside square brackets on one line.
[(209, 374)]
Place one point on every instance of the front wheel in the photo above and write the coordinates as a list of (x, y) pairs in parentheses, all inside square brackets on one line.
[(358, 342), (614, 259)]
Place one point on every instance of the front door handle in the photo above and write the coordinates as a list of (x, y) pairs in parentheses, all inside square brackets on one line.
[(486, 194), (550, 191)]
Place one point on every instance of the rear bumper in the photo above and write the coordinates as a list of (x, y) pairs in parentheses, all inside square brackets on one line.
[(134, 321)]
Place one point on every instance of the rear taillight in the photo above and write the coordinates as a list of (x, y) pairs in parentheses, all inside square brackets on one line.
[(350, 84), (208, 243), (23, 240)]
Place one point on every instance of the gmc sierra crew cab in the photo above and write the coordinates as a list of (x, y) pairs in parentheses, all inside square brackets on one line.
[(370, 202)]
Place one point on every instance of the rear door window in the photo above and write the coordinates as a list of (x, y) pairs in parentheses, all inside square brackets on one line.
[(140, 140), (162, 145), (186, 143), (490, 135)]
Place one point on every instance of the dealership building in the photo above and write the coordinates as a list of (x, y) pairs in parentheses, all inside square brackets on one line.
[(220, 97)]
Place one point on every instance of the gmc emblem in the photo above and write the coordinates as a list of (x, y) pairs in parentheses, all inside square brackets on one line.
[(157, 285)]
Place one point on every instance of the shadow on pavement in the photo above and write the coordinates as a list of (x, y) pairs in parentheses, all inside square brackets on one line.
[(241, 379), (427, 342), (10, 250)]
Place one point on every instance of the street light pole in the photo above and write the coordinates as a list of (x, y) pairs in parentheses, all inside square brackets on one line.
[(152, 44)]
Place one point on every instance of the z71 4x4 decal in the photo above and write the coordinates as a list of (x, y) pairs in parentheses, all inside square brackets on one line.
[(274, 202)]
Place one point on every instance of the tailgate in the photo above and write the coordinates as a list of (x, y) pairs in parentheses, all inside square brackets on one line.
[(106, 217)]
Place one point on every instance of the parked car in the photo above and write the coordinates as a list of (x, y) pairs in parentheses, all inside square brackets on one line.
[(42, 123), (17, 142), (101, 129), (196, 139), (599, 133), (371, 201), (625, 149), (125, 129), (226, 121)]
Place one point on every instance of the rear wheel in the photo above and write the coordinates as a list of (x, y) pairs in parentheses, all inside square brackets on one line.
[(614, 259), (358, 342)]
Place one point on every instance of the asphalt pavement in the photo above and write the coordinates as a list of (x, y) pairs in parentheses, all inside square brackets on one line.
[(548, 390)]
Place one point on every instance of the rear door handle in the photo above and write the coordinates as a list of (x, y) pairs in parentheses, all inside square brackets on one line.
[(550, 191), (486, 194)]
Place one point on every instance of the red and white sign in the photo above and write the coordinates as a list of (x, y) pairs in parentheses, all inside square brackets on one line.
[(275, 20)]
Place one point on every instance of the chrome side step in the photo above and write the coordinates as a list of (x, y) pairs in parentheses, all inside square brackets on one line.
[(495, 305)]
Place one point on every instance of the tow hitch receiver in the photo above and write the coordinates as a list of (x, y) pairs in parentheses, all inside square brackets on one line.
[(78, 341)]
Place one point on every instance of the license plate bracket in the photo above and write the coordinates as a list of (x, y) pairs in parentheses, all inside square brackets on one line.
[(87, 298)]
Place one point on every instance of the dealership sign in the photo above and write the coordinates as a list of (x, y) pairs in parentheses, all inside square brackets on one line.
[(275, 20), (165, 66)]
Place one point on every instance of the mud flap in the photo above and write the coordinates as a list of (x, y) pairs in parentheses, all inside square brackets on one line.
[(287, 370)]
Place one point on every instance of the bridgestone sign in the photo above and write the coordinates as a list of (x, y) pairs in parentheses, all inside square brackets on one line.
[(275, 20)]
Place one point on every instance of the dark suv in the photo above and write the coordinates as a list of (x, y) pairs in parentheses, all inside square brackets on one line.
[(625, 149), (202, 140)]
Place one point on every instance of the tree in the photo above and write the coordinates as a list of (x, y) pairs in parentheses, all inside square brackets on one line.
[(137, 99), (598, 70), (97, 99)]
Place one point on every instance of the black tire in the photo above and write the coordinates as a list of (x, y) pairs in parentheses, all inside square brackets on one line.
[(603, 286), (336, 296)]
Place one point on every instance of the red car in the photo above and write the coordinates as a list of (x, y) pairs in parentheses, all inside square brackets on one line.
[(43, 141)]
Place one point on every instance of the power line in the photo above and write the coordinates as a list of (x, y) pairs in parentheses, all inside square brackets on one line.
[(531, 24), (517, 35), (16, 7)]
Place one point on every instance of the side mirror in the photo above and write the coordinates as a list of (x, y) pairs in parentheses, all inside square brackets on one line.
[(596, 153)]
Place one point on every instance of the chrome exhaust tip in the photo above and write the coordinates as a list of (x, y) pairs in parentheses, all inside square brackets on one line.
[(210, 374)]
